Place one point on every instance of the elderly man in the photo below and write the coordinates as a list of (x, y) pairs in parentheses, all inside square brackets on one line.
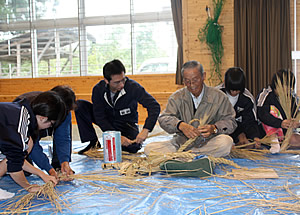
[(212, 109)]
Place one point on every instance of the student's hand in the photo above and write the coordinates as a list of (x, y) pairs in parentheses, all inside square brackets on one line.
[(188, 130), (46, 178), (286, 123), (141, 137), (125, 141), (66, 170), (52, 172), (33, 188), (206, 130), (295, 123), (257, 143), (243, 139)]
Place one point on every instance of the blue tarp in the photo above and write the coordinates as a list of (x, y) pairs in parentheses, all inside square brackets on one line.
[(160, 194)]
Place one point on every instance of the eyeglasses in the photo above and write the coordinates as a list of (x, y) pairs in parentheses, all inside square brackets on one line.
[(193, 81)]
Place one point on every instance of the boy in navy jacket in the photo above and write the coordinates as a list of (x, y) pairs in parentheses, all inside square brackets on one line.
[(114, 108)]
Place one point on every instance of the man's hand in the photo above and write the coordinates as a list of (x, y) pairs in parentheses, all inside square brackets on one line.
[(206, 130), (188, 130), (66, 170), (125, 141), (141, 137)]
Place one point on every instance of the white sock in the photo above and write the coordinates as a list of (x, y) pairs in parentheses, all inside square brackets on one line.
[(5, 195), (275, 147)]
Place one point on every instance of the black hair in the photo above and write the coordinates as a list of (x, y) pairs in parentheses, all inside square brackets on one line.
[(49, 104), (192, 64), (235, 79), (283, 75), (114, 67), (67, 95)]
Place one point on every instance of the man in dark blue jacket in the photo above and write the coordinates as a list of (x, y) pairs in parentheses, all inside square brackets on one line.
[(114, 108)]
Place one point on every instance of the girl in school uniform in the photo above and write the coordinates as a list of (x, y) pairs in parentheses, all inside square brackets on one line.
[(244, 105), (19, 125), (271, 113)]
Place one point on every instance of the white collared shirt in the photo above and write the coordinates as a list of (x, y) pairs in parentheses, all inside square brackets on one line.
[(198, 99)]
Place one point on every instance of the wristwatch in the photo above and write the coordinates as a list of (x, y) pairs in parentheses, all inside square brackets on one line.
[(215, 129)]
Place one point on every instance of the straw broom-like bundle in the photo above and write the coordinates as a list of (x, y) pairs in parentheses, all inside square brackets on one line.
[(46, 192), (285, 99), (285, 95)]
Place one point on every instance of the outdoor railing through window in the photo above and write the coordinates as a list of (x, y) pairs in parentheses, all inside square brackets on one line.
[(41, 38)]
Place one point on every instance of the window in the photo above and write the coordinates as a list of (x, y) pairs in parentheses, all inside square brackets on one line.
[(77, 37)]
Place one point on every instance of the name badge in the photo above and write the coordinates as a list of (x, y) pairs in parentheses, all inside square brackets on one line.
[(125, 111)]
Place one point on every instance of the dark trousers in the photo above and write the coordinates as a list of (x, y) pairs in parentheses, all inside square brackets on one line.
[(49, 132), (85, 119)]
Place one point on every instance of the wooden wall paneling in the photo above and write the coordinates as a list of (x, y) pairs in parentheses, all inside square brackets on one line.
[(195, 16), (160, 86)]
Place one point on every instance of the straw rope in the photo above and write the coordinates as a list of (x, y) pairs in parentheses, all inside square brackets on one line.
[(191, 140)]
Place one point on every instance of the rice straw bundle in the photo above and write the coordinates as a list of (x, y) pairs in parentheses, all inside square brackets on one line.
[(223, 161), (285, 143), (191, 140), (248, 154), (245, 145), (98, 154), (285, 93), (148, 165), (46, 192), (95, 153), (268, 139), (254, 154), (128, 181)]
